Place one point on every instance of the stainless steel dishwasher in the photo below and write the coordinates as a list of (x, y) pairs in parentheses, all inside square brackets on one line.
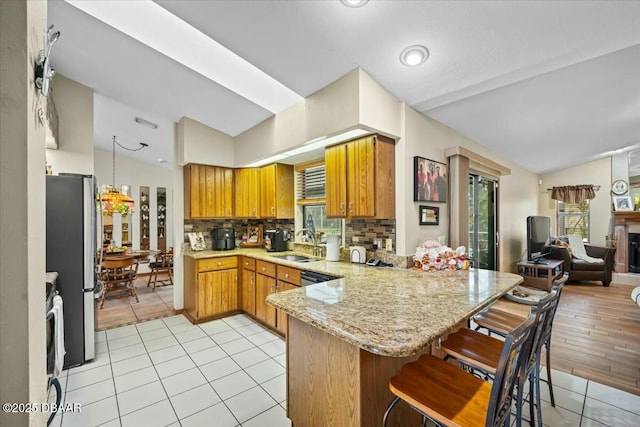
[(311, 278)]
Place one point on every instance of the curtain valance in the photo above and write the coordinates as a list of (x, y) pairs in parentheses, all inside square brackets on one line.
[(573, 193)]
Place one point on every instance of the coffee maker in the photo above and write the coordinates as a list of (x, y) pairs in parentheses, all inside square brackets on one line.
[(224, 239), (277, 240)]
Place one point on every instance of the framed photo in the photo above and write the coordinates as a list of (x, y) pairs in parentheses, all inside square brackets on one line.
[(429, 215), (430, 180), (254, 236), (622, 204)]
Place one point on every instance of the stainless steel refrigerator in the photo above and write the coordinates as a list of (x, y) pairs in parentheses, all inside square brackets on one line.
[(71, 252)]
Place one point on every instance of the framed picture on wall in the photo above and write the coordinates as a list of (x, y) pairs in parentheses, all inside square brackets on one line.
[(429, 215), (254, 236), (430, 180), (622, 204)]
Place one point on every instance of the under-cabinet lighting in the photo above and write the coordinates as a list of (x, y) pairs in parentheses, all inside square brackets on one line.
[(156, 27), (311, 145)]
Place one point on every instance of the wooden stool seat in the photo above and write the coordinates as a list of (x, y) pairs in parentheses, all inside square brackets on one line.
[(497, 320), (443, 392), (452, 397), (474, 349)]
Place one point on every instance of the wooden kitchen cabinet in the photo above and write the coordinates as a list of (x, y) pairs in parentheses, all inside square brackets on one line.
[(265, 285), (247, 192), (360, 178), (249, 285), (276, 191), (208, 191), (288, 278), (210, 287)]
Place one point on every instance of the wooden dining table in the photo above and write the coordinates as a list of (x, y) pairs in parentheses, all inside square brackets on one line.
[(140, 255)]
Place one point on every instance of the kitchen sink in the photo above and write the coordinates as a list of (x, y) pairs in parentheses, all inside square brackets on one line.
[(295, 258)]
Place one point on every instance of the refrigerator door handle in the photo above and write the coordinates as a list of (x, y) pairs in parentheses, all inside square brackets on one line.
[(89, 289)]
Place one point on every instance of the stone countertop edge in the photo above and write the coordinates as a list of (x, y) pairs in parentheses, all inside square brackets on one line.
[(386, 311)]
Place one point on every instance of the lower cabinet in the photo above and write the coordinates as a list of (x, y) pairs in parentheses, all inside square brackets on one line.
[(265, 285), (281, 317), (210, 287), (249, 292), (217, 292)]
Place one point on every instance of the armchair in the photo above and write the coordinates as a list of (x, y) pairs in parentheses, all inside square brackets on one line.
[(582, 270)]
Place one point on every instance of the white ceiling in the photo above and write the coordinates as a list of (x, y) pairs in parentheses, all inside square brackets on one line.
[(548, 84)]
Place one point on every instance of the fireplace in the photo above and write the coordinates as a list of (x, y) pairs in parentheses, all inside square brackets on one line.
[(634, 252)]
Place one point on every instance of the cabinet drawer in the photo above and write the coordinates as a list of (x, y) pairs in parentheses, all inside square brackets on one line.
[(248, 263), (266, 268), (288, 274), (222, 263)]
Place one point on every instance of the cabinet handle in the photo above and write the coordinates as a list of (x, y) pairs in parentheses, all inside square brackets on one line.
[(219, 264), (286, 275), (264, 268)]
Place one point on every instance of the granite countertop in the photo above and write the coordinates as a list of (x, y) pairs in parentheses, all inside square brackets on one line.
[(385, 310)]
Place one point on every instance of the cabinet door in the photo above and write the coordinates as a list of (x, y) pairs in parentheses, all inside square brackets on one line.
[(265, 285), (218, 192), (336, 180), (217, 292), (228, 282), (281, 321), (208, 294), (247, 192), (361, 178), (268, 191), (285, 193), (249, 291), (195, 195)]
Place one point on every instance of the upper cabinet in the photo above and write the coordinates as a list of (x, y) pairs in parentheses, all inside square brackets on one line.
[(208, 191), (247, 192), (360, 178), (276, 191)]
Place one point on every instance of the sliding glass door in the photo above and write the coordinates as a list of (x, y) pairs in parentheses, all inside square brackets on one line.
[(483, 222)]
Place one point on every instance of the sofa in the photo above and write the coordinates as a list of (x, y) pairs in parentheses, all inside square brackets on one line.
[(582, 270)]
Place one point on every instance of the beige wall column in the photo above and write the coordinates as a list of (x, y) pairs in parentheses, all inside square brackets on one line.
[(459, 207), (22, 217)]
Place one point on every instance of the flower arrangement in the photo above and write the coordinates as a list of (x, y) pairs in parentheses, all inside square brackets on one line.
[(441, 258)]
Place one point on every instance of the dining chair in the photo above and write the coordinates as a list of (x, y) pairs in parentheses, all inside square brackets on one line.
[(450, 396), (117, 276), (163, 264)]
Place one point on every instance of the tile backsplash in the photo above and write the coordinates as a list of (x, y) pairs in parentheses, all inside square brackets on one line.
[(239, 225), (366, 230)]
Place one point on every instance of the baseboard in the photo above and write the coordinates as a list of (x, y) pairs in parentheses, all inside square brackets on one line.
[(178, 311), (631, 279)]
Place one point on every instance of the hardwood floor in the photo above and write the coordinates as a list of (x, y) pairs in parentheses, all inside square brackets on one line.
[(125, 311), (596, 335)]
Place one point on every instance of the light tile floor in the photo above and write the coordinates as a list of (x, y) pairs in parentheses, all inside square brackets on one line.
[(231, 372), (168, 372)]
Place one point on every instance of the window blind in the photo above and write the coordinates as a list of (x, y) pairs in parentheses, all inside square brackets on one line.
[(310, 183)]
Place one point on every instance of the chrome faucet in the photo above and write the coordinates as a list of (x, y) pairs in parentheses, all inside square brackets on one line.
[(317, 250)]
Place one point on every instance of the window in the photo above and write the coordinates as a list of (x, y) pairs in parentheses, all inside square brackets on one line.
[(573, 218), (315, 216), (310, 196)]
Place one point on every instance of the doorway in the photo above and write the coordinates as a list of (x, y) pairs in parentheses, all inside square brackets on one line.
[(483, 222)]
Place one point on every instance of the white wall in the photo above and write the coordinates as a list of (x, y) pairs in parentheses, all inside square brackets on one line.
[(136, 174), (22, 208), (198, 143), (426, 137), (597, 172), (74, 103)]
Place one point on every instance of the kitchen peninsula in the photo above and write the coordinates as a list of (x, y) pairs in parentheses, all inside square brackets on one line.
[(348, 336)]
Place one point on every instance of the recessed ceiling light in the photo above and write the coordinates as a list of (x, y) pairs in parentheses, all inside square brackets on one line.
[(146, 123), (354, 3), (414, 55)]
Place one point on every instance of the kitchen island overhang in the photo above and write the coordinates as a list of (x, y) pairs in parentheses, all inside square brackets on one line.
[(348, 336)]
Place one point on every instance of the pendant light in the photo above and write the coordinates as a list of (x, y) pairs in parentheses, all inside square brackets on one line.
[(112, 200)]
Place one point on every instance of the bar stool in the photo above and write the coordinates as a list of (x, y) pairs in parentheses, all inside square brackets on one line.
[(499, 321), (450, 396), (479, 352)]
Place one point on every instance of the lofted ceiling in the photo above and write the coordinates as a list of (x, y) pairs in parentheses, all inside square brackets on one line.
[(548, 84)]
